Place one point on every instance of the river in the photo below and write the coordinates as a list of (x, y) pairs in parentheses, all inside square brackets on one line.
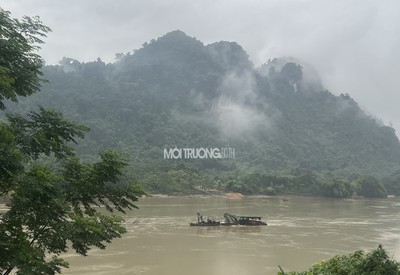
[(300, 232)]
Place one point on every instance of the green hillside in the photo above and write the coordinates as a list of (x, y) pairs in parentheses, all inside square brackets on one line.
[(290, 135)]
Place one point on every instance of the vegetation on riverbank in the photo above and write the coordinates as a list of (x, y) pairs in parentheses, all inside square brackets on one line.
[(185, 181), (376, 262)]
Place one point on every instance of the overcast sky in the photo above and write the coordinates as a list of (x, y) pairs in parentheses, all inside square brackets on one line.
[(354, 45)]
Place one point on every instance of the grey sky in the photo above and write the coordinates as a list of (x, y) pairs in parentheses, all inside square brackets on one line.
[(354, 45)]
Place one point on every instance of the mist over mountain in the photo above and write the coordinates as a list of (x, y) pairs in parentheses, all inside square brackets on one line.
[(177, 92)]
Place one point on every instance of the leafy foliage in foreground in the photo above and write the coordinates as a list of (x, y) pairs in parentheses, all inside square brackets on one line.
[(50, 208), (53, 196), (20, 65), (376, 262)]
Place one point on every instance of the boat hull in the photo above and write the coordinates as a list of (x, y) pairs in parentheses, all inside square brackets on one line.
[(204, 224)]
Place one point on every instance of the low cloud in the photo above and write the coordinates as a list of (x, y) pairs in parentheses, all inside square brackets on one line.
[(236, 107)]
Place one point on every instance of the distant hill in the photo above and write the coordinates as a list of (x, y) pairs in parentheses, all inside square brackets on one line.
[(177, 92)]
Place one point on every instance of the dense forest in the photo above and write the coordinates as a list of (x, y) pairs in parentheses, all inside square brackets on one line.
[(290, 134)]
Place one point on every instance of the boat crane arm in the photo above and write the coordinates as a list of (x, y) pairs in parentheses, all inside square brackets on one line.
[(230, 218)]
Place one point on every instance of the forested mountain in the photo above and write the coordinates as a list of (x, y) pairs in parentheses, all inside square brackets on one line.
[(287, 130)]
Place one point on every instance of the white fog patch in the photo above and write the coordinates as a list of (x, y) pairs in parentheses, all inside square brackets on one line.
[(239, 86), (235, 108), (198, 100), (236, 119)]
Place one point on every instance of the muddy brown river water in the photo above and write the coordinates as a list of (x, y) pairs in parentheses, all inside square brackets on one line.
[(300, 232)]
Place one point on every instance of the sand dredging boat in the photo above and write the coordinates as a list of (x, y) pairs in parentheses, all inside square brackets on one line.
[(229, 220)]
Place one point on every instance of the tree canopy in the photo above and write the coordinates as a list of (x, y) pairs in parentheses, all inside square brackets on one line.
[(20, 65), (53, 197)]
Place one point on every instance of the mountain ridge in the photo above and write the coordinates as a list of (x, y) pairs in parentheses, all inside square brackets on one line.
[(177, 92)]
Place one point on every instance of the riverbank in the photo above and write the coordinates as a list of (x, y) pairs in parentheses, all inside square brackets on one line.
[(238, 196), (229, 195)]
